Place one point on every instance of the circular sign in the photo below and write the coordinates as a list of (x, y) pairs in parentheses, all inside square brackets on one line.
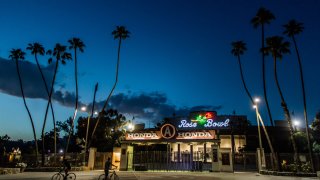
[(168, 131)]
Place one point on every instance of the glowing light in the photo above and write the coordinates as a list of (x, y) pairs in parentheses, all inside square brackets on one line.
[(61, 151), (131, 126), (296, 123), (256, 100), (96, 113), (83, 108)]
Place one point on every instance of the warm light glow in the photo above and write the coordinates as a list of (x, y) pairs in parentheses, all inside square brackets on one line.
[(131, 126), (296, 122), (83, 108)]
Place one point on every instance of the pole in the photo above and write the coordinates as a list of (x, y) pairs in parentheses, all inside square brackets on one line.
[(88, 122), (260, 141)]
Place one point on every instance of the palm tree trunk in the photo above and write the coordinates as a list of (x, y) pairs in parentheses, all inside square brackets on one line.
[(304, 104), (90, 117), (53, 117), (109, 96), (243, 82), (47, 109), (76, 104), (286, 113), (266, 98), (29, 114), (264, 77)]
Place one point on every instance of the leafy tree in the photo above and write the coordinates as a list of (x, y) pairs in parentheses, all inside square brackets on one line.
[(263, 17), (120, 33), (301, 140), (315, 126), (18, 55), (109, 132)]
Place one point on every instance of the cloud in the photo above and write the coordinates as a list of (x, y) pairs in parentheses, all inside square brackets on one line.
[(152, 106), (32, 82)]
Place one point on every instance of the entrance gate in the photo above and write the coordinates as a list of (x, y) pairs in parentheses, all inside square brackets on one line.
[(161, 160)]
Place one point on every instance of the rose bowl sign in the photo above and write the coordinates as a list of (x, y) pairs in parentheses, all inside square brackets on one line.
[(203, 120)]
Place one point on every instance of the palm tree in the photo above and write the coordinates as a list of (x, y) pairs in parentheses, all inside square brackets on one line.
[(276, 46), (75, 44), (238, 48), (120, 33), (60, 54), (17, 55), (263, 17), (291, 29), (37, 48)]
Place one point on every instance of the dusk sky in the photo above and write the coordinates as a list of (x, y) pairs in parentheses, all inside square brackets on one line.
[(177, 58)]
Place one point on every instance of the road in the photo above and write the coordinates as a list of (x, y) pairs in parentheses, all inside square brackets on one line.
[(88, 175)]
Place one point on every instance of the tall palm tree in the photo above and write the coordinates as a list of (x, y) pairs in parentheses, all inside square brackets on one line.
[(120, 33), (238, 48), (17, 55), (37, 48), (75, 44), (60, 55), (291, 29), (263, 17), (276, 46)]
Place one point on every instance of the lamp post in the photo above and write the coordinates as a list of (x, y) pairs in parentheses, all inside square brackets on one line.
[(257, 100)]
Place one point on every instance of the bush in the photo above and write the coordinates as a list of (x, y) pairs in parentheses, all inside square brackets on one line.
[(306, 167)]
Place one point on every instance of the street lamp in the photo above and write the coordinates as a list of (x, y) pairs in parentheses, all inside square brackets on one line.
[(255, 106)]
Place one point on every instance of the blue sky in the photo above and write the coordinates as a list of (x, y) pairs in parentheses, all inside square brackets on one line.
[(178, 53)]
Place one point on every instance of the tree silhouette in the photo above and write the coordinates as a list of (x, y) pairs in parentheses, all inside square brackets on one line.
[(263, 17), (120, 33), (238, 48), (75, 44), (37, 49), (293, 28), (18, 55), (60, 55), (276, 46)]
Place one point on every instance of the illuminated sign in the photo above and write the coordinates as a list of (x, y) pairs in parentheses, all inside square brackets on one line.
[(196, 135), (203, 120), (142, 136), (168, 131)]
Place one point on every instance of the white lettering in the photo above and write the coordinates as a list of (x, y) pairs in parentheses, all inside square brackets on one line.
[(184, 123), (194, 135), (142, 136), (210, 123)]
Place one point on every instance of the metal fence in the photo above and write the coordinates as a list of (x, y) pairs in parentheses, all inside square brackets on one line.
[(162, 160), (165, 161)]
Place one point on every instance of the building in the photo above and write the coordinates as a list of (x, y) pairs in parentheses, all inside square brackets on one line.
[(201, 141)]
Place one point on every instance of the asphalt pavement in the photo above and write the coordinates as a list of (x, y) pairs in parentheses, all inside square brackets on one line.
[(131, 175)]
